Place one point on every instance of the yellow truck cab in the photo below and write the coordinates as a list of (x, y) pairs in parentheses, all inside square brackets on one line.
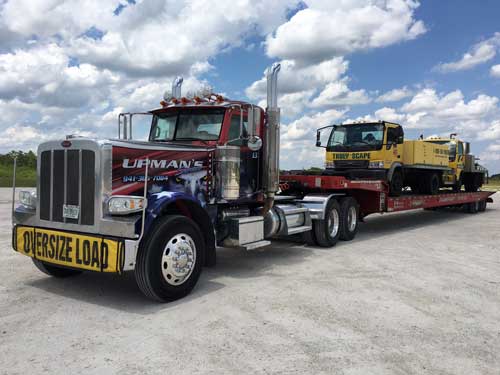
[(378, 151), (463, 167)]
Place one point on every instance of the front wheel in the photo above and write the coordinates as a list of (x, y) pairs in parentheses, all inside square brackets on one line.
[(396, 184), (170, 261)]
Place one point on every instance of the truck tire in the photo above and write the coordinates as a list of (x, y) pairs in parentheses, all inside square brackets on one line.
[(482, 206), (327, 230), (396, 183), (170, 260), (431, 184), (457, 187), (349, 218), (55, 271), (309, 238), (471, 208)]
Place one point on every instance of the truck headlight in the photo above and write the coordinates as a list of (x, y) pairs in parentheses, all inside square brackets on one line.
[(376, 164), (27, 198), (123, 205)]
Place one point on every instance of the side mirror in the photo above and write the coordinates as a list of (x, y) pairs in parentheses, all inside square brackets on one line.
[(254, 143), (254, 116), (318, 138)]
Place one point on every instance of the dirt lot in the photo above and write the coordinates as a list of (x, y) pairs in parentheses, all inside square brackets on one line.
[(414, 293)]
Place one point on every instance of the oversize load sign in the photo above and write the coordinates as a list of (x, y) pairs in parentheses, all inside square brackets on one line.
[(70, 249)]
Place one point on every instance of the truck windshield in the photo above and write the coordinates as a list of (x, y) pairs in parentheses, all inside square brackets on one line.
[(356, 137), (187, 125)]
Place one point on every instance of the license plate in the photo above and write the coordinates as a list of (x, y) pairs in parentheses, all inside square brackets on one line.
[(73, 250), (71, 212)]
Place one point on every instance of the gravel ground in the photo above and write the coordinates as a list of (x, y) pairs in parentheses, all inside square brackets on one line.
[(414, 293)]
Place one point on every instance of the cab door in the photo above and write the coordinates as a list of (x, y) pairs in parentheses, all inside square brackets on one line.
[(394, 143)]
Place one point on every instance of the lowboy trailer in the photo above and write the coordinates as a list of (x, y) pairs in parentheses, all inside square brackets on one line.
[(207, 177)]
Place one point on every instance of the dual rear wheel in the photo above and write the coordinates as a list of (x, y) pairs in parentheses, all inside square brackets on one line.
[(340, 223)]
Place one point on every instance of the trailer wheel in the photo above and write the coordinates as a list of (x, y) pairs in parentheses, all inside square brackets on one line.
[(327, 230), (471, 208), (55, 271), (482, 206), (349, 218), (170, 262)]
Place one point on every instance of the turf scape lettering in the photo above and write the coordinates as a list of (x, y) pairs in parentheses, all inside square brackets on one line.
[(353, 156)]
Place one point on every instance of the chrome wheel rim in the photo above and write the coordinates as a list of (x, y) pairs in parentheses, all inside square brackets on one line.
[(333, 222), (178, 259), (352, 218)]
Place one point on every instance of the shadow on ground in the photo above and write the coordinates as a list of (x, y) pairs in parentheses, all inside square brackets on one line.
[(120, 291)]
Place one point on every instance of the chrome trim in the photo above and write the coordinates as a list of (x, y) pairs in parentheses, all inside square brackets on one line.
[(13, 189), (80, 184), (131, 248), (316, 204), (65, 198)]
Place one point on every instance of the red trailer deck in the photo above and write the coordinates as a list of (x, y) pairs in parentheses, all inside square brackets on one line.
[(373, 196)]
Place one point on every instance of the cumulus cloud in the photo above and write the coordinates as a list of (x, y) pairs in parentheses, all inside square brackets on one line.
[(495, 71), (329, 28), (394, 95), (479, 53), (446, 113)]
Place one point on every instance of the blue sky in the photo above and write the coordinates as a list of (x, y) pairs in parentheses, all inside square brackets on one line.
[(433, 66)]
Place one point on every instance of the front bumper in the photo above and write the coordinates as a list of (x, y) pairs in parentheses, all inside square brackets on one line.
[(85, 251)]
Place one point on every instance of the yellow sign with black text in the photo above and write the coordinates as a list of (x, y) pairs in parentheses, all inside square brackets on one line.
[(74, 250)]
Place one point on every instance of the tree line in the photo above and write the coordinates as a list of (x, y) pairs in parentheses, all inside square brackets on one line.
[(24, 159)]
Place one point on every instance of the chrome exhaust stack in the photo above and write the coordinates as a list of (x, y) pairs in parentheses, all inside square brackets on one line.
[(271, 155), (176, 87)]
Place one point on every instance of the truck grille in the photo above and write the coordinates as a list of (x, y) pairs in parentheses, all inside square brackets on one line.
[(351, 164), (67, 177)]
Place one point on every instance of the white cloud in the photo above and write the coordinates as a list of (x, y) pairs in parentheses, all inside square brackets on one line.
[(495, 71), (478, 54), (338, 93), (329, 28), (478, 118), (394, 95)]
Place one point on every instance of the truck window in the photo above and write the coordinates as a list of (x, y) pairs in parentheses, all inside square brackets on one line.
[(163, 128), (189, 124), (356, 137), (453, 151), (234, 127), (460, 148)]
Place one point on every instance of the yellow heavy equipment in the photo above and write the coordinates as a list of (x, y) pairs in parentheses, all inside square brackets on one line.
[(378, 151)]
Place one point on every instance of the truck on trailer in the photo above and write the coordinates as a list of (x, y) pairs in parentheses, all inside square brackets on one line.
[(207, 177), (379, 151), (464, 169)]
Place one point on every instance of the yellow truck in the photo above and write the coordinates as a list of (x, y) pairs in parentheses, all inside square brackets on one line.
[(464, 170), (378, 151)]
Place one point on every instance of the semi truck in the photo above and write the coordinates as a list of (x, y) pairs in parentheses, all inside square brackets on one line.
[(206, 177)]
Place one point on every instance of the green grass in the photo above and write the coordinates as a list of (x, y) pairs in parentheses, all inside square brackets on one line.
[(25, 176)]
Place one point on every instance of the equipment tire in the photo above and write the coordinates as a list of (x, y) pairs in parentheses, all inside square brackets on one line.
[(349, 218), (431, 184), (172, 238), (327, 230), (396, 183), (457, 187), (55, 271)]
